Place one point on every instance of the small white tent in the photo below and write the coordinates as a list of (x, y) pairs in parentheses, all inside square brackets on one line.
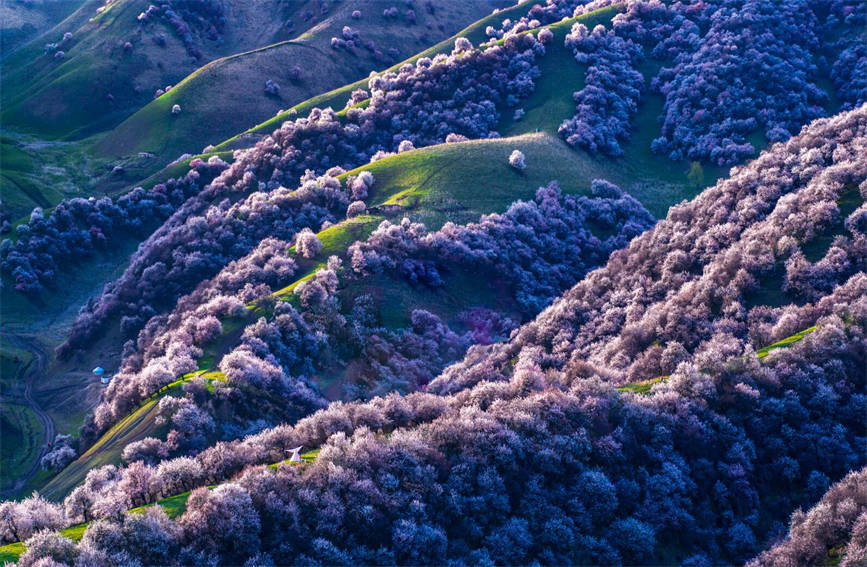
[(296, 455)]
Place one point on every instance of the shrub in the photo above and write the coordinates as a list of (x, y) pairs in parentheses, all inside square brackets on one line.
[(307, 244), (516, 160)]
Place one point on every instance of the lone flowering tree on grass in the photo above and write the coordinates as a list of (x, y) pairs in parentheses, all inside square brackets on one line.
[(516, 160)]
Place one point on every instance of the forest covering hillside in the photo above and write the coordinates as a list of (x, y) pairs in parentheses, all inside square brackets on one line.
[(582, 284)]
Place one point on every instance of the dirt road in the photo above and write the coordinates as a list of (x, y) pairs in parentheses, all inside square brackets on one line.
[(28, 375)]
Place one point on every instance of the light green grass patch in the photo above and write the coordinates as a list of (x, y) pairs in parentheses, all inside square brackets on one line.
[(173, 506), (11, 552), (335, 240), (643, 387), (785, 343), (460, 182), (306, 458)]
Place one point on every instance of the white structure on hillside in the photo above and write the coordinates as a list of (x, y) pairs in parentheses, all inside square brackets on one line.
[(100, 372), (296, 455)]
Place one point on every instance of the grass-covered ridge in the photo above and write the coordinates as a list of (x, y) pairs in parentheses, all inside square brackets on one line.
[(226, 95), (475, 32), (764, 352), (643, 387), (432, 185), (335, 240), (173, 506), (68, 95), (137, 425)]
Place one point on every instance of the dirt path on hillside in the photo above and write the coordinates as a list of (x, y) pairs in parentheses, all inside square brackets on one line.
[(28, 374)]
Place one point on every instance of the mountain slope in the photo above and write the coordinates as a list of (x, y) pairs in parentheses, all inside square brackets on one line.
[(484, 462), (23, 21), (711, 356), (113, 57), (428, 185), (227, 95), (657, 186)]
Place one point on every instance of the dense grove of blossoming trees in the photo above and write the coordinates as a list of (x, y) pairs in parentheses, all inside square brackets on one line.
[(528, 450), (423, 103), (757, 60), (75, 228), (540, 14), (535, 250), (608, 103), (653, 303), (836, 524), (730, 69), (772, 52), (546, 466), (537, 247), (459, 94), (635, 419)]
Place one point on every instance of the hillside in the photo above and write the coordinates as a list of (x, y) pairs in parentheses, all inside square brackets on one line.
[(581, 284), (451, 178), (831, 532), (657, 183), (227, 95), (337, 98), (710, 364), (502, 399), (22, 21), (47, 87), (475, 33), (113, 57), (427, 185)]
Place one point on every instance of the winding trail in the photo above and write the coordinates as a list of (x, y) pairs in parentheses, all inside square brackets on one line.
[(35, 368)]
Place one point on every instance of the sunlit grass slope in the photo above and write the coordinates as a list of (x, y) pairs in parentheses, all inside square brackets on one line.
[(98, 82), (227, 95)]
